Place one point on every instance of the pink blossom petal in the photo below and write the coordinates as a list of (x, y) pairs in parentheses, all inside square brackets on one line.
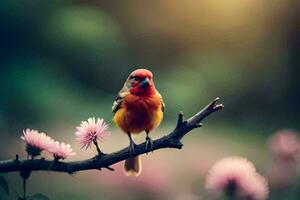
[(284, 144), (91, 130), (238, 174), (36, 142), (61, 150)]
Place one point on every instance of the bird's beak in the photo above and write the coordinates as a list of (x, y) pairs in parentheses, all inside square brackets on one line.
[(145, 83)]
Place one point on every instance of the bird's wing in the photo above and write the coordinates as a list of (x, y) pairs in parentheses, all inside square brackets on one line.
[(119, 99), (162, 102)]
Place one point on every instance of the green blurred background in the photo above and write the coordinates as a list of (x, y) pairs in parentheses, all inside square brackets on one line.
[(63, 61)]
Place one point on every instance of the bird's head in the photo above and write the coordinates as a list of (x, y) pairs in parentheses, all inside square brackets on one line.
[(140, 83)]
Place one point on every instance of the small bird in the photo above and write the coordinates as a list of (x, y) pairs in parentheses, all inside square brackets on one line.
[(138, 107)]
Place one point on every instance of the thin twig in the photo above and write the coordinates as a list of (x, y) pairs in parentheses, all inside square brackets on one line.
[(24, 188), (97, 147)]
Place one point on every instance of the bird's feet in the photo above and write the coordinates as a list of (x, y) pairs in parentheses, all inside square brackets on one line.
[(132, 148), (149, 144)]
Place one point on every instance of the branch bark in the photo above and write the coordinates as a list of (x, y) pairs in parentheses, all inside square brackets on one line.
[(172, 140)]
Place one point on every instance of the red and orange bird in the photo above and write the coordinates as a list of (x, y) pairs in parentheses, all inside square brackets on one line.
[(138, 107)]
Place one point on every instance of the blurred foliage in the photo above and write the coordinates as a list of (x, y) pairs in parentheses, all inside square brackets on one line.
[(74, 56), (63, 61)]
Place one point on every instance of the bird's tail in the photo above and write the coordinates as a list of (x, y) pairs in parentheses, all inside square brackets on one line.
[(133, 166)]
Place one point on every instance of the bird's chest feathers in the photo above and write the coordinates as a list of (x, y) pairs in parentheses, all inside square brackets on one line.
[(141, 112), (142, 107)]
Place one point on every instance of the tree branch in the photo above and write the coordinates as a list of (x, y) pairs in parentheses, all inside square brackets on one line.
[(172, 140)]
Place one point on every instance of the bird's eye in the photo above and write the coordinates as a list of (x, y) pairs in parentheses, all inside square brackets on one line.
[(136, 78)]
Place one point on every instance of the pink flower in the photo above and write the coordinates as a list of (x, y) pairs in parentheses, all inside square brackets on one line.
[(61, 150), (90, 131), (284, 144), (281, 174), (36, 142), (236, 177), (256, 188)]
